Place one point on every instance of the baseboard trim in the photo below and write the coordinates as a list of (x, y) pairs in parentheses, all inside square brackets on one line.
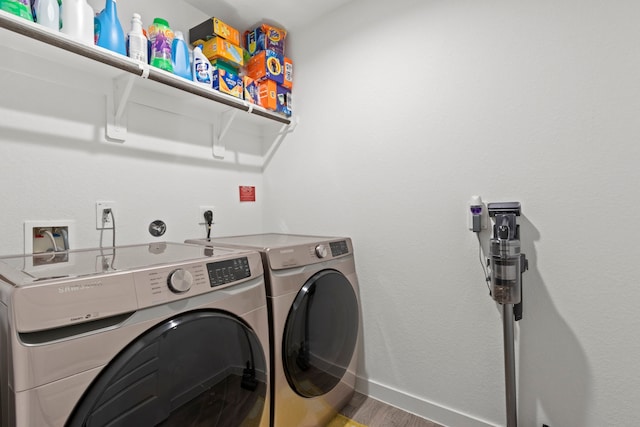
[(440, 414)]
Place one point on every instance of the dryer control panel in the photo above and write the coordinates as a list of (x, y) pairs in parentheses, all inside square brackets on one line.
[(339, 248), (309, 254)]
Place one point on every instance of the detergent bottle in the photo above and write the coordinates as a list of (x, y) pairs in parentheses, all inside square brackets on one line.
[(180, 56), (77, 20), (202, 71), (161, 38), (21, 8), (109, 32), (47, 13)]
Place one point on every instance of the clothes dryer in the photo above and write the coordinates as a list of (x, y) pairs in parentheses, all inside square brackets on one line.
[(313, 299), (162, 334)]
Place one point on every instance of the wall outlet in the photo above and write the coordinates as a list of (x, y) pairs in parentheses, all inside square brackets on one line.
[(105, 221), (201, 212), (39, 236)]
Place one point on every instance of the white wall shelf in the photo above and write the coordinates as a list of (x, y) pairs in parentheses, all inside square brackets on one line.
[(24, 42)]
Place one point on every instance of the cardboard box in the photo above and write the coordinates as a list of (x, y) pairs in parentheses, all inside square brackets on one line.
[(265, 37), (213, 27), (219, 48), (288, 73), (251, 94), (266, 64), (275, 97), (227, 82), (221, 64)]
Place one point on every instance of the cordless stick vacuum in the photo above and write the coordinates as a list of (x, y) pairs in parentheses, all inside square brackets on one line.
[(506, 265)]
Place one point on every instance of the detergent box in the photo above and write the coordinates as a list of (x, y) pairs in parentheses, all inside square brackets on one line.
[(266, 64), (251, 94), (213, 27), (219, 48), (275, 97), (221, 64), (265, 37), (287, 78), (227, 82)]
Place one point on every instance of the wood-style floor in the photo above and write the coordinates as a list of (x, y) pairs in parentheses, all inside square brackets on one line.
[(373, 413)]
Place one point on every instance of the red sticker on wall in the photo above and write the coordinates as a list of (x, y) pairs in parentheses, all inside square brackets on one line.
[(247, 193)]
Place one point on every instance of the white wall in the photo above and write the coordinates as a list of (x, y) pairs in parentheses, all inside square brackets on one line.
[(56, 163), (407, 109)]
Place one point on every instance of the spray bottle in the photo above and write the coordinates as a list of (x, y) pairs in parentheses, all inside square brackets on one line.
[(137, 41)]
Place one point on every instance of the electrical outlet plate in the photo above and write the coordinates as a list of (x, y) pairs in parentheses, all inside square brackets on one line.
[(100, 207), (201, 212), (29, 226)]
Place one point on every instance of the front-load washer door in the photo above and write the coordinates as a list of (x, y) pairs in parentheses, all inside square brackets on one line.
[(198, 369), (320, 334)]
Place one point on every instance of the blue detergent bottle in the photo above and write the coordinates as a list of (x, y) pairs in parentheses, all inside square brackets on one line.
[(180, 56), (109, 32)]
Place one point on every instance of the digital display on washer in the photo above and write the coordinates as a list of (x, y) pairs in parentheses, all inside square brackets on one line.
[(339, 248), (227, 271)]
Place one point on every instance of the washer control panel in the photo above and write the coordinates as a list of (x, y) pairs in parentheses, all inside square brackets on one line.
[(227, 271), (180, 280), (165, 284)]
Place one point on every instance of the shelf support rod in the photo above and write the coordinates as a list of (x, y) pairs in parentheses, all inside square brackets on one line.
[(116, 128), (223, 123)]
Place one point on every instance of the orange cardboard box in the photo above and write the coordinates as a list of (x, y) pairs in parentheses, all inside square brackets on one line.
[(274, 97), (288, 73), (213, 27), (266, 64), (217, 47), (265, 37)]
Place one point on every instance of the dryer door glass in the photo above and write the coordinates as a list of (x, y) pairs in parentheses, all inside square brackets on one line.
[(198, 369), (320, 334)]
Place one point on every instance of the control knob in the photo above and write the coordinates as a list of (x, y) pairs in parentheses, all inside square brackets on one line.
[(180, 280), (321, 251)]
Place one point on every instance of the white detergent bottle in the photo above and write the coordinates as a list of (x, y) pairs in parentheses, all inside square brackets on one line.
[(77, 20), (47, 13), (137, 42), (202, 71)]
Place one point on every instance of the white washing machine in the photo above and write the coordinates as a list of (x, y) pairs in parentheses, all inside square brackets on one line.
[(313, 298), (161, 334)]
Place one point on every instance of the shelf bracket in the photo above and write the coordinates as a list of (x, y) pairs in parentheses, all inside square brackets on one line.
[(219, 130), (116, 128)]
